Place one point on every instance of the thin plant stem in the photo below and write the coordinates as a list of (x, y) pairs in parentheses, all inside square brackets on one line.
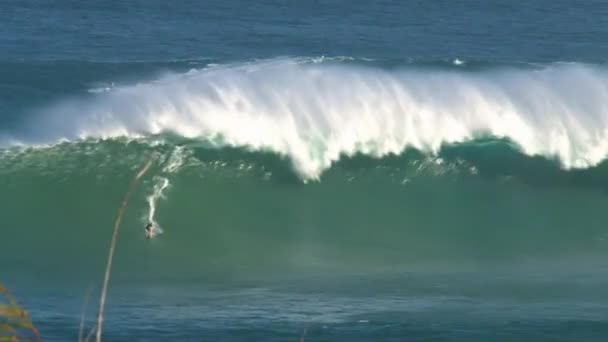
[(121, 211), (83, 314)]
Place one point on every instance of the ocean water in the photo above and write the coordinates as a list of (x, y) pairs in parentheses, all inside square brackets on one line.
[(322, 171)]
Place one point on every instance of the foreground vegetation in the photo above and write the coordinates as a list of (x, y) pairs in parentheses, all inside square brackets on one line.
[(15, 323)]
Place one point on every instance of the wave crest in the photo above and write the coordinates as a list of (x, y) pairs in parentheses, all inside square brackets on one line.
[(314, 112)]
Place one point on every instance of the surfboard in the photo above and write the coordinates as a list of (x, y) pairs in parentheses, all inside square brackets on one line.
[(150, 234)]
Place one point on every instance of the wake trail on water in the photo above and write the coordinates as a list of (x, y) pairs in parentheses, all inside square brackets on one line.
[(161, 182), (314, 112)]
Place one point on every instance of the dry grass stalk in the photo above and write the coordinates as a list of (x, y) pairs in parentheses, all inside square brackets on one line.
[(121, 212), (83, 314)]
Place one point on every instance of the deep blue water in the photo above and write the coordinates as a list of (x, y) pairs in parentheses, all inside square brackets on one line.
[(538, 31), (250, 252)]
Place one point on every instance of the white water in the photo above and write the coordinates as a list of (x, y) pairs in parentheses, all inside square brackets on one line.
[(161, 182), (314, 111)]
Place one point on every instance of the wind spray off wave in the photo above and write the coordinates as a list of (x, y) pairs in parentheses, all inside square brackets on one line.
[(313, 113)]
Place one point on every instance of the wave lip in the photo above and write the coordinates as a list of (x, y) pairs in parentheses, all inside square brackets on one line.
[(314, 111)]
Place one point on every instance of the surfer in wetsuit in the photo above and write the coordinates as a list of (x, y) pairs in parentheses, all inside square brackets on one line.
[(149, 230)]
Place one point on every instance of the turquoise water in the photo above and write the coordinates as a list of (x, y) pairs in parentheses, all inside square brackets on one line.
[(352, 171)]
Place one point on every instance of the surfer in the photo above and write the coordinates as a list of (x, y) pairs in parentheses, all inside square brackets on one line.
[(149, 230)]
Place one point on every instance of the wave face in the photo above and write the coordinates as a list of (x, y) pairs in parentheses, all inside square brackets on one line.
[(313, 111), (232, 213), (412, 166)]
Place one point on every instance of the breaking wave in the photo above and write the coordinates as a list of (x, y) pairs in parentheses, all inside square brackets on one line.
[(315, 111)]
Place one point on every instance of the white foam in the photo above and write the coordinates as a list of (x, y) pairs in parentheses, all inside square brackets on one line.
[(161, 182), (313, 112), (175, 160), (102, 88), (458, 61)]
